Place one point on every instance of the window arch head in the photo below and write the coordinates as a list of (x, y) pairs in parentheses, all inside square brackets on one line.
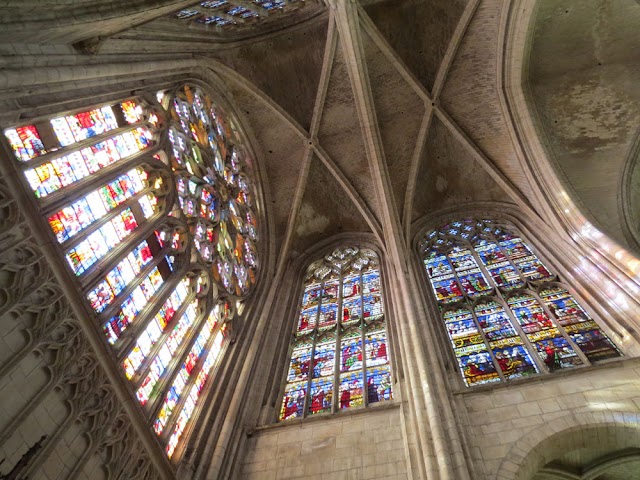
[(151, 202), (339, 355), (506, 313)]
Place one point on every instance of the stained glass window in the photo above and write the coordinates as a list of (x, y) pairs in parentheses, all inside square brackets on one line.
[(339, 356), (161, 238), (230, 15), (507, 315)]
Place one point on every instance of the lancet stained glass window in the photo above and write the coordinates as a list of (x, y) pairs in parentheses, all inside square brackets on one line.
[(507, 315), (160, 235), (339, 355)]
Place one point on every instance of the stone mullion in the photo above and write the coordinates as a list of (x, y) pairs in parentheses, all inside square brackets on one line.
[(433, 391)]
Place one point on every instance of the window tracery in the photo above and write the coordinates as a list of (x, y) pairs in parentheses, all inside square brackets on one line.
[(153, 209), (341, 311), (506, 314)]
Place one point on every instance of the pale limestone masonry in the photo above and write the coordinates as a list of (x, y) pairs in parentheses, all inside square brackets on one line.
[(348, 446)]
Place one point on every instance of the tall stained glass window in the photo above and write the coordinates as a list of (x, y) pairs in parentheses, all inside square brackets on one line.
[(339, 355), (160, 235), (506, 314)]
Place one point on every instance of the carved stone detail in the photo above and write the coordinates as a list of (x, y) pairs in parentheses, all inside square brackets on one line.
[(31, 299)]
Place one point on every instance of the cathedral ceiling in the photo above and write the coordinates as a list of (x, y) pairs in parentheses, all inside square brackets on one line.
[(584, 76), (400, 104), (304, 104)]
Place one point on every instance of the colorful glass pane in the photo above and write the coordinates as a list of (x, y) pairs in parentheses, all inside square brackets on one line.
[(84, 125), (148, 338), (25, 142), (351, 310), (98, 244), (351, 390), (166, 353), (307, 320), (209, 185), (351, 286), (581, 328), (553, 348), (133, 305), (379, 384), (443, 279), (321, 395), (173, 395), (293, 403), (351, 351), (376, 346), (119, 277), (71, 220), (461, 328), (328, 315), (476, 365), (525, 260), (324, 358), (300, 362), (502, 272), (372, 307), (194, 394)]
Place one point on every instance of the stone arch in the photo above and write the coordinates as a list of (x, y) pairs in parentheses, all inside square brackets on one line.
[(540, 446)]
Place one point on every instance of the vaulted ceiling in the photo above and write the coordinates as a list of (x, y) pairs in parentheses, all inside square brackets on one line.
[(368, 116)]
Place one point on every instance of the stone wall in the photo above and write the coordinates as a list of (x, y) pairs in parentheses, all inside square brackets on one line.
[(523, 416), (364, 444)]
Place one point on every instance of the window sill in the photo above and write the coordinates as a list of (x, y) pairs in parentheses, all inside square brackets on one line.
[(561, 375), (343, 414)]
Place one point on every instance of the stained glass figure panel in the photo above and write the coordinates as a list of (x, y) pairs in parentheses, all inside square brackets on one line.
[(372, 306), (351, 390), (525, 260), (337, 285), (371, 282), (581, 328), (379, 384), (307, 320), (476, 365), (461, 328), (328, 315), (324, 358), (321, 395), (293, 404), (376, 346), (351, 351), (300, 362), (514, 360), (351, 286), (25, 142), (351, 310)]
